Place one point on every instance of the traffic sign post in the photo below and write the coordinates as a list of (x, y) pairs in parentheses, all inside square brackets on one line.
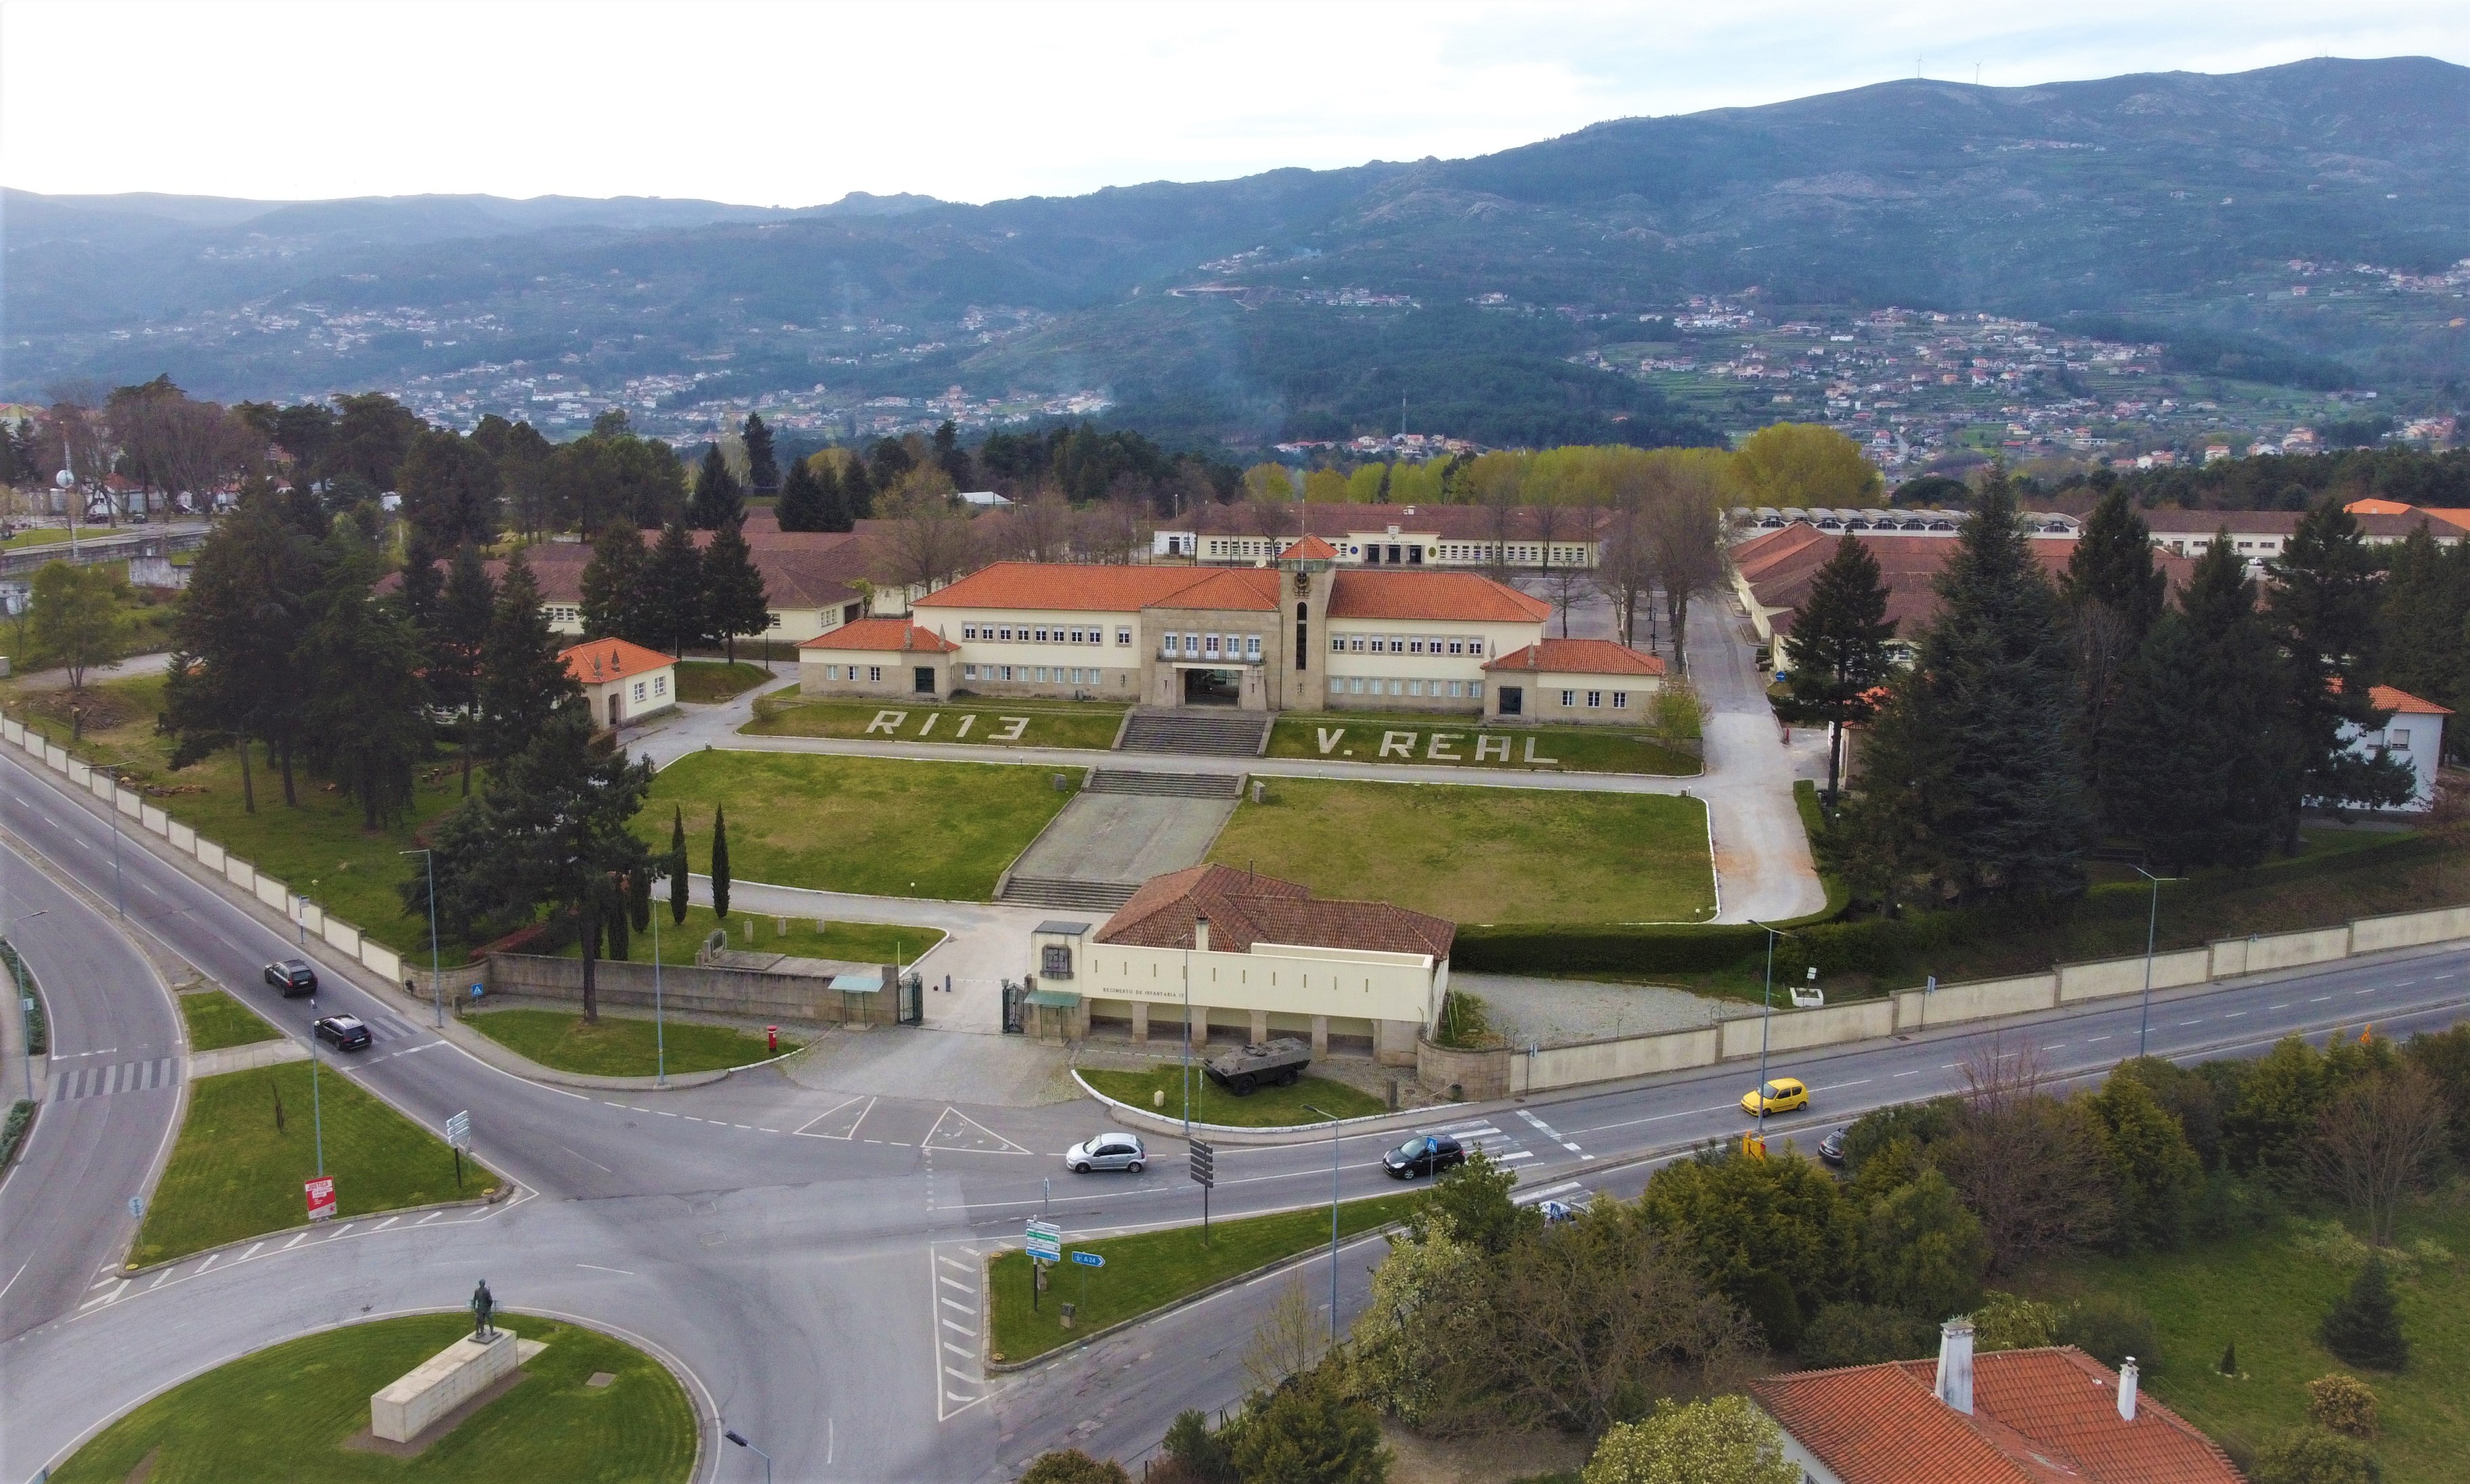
[(1204, 1174), (1086, 1261), (320, 1192), (459, 1138), (1045, 1242)]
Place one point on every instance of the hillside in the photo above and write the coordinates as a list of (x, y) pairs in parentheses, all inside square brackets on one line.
[(1303, 303)]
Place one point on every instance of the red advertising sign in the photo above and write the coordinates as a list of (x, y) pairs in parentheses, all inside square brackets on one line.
[(321, 1196)]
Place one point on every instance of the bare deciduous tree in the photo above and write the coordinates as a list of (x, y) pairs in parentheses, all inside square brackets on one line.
[(2028, 1164), (925, 539), (1684, 532), (1291, 1339), (2376, 1141)]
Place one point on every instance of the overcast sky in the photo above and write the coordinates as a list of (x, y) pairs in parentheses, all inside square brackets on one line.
[(796, 104)]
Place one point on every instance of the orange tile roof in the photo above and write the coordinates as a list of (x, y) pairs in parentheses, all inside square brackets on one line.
[(1781, 565), (598, 661), (881, 635), (2039, 1416), (1450, 597), (1245, 909), (1077, 588), (2388, 699), (1580, 657), (1311, 548), (2373, 506)]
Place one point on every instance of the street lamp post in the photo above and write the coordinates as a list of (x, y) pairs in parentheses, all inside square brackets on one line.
[(1766, 1013), (2151, 930), (436, 993), (659, 1044), (739, 1438), (317, 1110), (1187, 1046), (119, 892), (1333, 1217)]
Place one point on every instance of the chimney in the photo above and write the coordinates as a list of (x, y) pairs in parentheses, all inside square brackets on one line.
[(1955, 1365), (1201, 933), (2127, 1390)]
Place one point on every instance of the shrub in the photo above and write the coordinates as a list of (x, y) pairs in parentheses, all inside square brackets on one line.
[(1464, 1025), (1309, 1431), (1192, 1454), (1071, 1466), (2010, 1321), (1921, 1250), (2343, 1404), (1722, 1441), (2109, 1329), (1769, 1299), (2363, 1327), (2311, 1455), (1843, 1334)]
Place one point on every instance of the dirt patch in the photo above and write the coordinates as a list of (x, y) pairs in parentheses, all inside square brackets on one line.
[(1493, 1458), (103, 709), (368, 1442), (145, 1469)]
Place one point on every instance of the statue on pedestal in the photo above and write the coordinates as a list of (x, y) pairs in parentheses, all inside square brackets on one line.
[(483, 1305)]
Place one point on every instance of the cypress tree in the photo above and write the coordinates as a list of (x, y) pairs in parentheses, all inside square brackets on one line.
[(2114, 594), (858, 488), (834, 487), (735, 600), (2190, 755), (639, 899), (677, 867), (720, 864), (2363, 1327), (717, 499), (1839, 648), (1994, 686), (2323, 610), (614, 582), (456, 643), (800, 506), (677, 605), (762, 469), (418, 597), (522, 675)]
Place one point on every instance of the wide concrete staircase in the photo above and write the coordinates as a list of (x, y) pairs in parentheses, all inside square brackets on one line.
[(1071, 896), (1213, 733), (1165, 786)]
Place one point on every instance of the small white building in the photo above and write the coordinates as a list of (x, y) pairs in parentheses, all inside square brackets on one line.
[(624, 683), (2415, 734)]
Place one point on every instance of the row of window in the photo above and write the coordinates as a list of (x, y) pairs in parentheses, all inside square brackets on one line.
[(1596, 698), (1036, 674), (1359, 686), (1032, 634), (659, 687), (833, 672), (1210, 646), (1405, 645)]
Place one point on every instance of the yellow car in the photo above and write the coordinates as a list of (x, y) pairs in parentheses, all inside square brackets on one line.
[(1781, 1095)]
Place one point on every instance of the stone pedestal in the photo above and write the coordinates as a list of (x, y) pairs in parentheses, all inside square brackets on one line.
[(1140, 1022), (443, 1382)]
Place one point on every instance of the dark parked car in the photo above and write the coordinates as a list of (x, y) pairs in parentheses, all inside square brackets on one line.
[(1425, 1155), (1832, 1147), (344, 1033), (291, 976)]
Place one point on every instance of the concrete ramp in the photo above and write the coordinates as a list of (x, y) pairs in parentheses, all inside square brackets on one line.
[(1104, 845)]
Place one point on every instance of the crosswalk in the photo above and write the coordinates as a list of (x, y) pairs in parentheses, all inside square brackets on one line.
[(960, 1307), (124, 1077), (1487, 1139)]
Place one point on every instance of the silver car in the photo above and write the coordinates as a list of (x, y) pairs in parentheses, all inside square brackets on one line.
[(1106, 1151)]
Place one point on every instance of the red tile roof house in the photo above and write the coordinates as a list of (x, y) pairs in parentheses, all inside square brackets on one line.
[(1266, 957), (890, 658), (2415, 734), (1566, 679), (2050, 1416), (624, 683)]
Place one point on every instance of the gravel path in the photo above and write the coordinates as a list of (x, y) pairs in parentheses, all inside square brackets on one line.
[(1558, 1011)]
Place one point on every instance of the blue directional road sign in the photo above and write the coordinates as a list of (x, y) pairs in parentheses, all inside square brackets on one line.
[(1089, 1260)]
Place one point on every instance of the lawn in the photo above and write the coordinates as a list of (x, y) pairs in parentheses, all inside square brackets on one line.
[(234, 1175), (1476, 854), (1149, 1269), (1453, 742), (877, 826), (1266, 1109), (622, 1045), (1080, 725), (317, 848), (292, 1411), (2267, 1291), (709, 680), (854, 942), (215, 1020)]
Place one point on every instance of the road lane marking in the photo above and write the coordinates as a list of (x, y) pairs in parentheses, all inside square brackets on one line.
[(2089, 1040), (1914, 1073), (958, 1350), (250, 1253), (948, 1304), (597, 1268), (294, 1242), (431, 1217), (2319, 999), (382, 1225)]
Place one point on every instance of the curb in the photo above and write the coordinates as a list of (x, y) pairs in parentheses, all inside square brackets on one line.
[(1266, 1134), (504, 1193)]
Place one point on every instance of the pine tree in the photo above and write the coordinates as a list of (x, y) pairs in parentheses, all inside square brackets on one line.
[(677, 605), (368, 715), (857, 489), (801, 505), (2419, 622), (720, 865), (417, 598), (2114, 594), (2363, 1326), (1838, 654), (524, 678), (2191, 755), (614, 583), (454, 644), (2322, 608), (762, 468), (718, 498), (676, 866), (735, 600)]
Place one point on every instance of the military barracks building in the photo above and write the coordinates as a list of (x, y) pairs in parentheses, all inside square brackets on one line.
[(1305, 634)]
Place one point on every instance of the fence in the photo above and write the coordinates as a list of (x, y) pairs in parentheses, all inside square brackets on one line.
[(338, 935), (1501, 1072), (719, 991)]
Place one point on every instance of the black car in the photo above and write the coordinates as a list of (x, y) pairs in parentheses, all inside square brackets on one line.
[(344, 1033), (1832, 1147), (1425, 1155), (291, 976)]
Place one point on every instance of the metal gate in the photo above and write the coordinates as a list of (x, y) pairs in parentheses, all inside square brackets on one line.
[(1015, 1003), (912, 1007)]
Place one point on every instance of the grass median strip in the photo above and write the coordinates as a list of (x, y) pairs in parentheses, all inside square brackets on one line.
[(622, 1045), (1149, 1270), (250, 1140), (215, 1020), (300, 1411), (1267, 1108)]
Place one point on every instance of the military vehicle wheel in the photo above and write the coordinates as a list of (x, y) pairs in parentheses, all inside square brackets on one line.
[(1287, 1079), (1242, 1084)]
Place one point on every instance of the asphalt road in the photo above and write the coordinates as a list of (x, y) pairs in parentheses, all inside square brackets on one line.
[(811, 1261)]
